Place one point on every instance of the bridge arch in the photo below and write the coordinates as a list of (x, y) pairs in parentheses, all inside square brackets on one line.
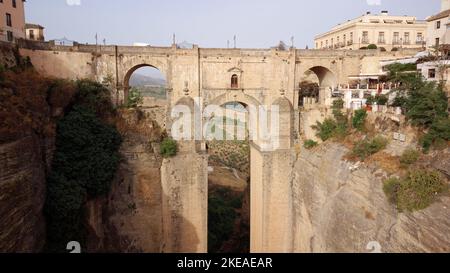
[(133, 68), (234, 97), (327, 81)]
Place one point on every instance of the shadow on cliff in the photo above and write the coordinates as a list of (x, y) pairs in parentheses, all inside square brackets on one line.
[(175, 235)]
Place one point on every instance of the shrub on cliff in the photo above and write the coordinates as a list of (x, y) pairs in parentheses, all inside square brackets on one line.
[(359, 119), (410, 156), (368, 147), (417, 191), (325, 130), (169, 148), (309, 144)]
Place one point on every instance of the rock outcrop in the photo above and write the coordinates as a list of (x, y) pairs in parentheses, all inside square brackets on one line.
[(129, 219), (338, 208), (23, 165)]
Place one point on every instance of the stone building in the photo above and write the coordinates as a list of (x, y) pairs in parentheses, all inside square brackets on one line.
[(34, 32), (438, 26), (384, 30), (12, 20)]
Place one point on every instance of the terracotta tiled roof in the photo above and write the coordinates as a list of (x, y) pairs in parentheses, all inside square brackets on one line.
[(440, 15)]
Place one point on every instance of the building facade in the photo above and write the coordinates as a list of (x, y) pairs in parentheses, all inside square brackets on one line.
[(438, 26), (34, 32), (383, 30), (12, 20)]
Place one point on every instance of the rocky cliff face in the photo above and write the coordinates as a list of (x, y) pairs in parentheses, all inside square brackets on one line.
[(340, 210), (23, 165), (129, 219)]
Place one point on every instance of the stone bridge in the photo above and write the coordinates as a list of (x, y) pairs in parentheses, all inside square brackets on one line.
[(218, 76)]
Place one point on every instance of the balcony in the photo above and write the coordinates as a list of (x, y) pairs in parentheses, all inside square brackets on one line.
[(396, 42), (381, 41), (365, 41)]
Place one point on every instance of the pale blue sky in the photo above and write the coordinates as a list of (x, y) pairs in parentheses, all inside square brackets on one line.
[(208, 23)]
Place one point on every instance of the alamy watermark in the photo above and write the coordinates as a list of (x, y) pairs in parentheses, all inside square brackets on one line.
[(260, 124)]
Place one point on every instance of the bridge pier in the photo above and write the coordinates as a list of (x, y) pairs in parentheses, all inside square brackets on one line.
[(184, 181), (271, 226)]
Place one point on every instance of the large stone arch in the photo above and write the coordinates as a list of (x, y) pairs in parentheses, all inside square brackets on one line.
[(327, 80), (131, 64)]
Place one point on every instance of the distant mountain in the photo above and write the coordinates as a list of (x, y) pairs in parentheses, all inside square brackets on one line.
[(142, 80)]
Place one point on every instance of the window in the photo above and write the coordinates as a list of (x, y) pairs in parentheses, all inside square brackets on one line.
[(381, 39), (419, 38), (438, 24), (31, 34), (396, 39), (345, 39), (14, 4), (437, 42), (8, 20), (432, 73), (10, 36), (407, 41), (234, 81), (365, 37)]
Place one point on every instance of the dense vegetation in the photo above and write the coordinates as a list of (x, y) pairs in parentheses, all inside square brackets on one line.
[(425, 104), (416, 191), (84, 164), (222, 206)]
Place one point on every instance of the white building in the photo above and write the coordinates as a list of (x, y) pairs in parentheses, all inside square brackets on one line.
[(438, 26), (383, 30)]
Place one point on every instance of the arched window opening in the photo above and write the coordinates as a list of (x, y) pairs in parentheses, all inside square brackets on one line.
[(234, 81)]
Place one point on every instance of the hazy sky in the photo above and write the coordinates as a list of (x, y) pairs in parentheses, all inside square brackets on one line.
[(208, 23)]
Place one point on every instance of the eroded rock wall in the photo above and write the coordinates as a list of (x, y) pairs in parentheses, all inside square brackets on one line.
[(23, 165), (129, 219), (339, 210)]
